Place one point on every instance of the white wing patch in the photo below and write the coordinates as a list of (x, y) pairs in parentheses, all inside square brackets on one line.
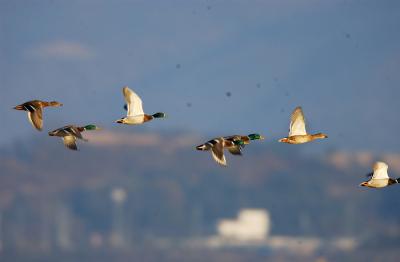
[(297, 123), (380, 171), (133, 102)]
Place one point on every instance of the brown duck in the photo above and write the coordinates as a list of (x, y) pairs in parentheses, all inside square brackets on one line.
[(297, 131), (35, 111)]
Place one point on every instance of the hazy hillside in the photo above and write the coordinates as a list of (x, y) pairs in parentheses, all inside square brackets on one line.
[(55, 199)]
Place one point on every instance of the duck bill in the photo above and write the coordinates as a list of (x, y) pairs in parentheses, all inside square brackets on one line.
[(119, 121), (262, 137), (282, 140)]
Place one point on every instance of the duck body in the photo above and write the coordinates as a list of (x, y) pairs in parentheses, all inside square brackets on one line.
[(301, 139), (297, 130), (380, 177), (135, 114), (71, 133), (35, 111), (233, 144), (379, 183), (134, 120), (217, 146)]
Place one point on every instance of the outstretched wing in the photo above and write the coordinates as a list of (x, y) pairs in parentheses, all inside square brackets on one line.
[(380, 171), (217, 152), (297, 123), (133, 102), (369, 175), (70, 142), (35, 117)]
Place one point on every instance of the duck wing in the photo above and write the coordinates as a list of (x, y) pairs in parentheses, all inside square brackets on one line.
[(380, 171), (236, 150), (133, 102), (217, 152), (74, 131), (70, 142), (236, 138), (35, 116), (297, 123), (369, 174), (232, 138)]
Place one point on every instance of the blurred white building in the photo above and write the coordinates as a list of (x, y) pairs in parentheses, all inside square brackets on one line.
[(250, 225), (119, 232)]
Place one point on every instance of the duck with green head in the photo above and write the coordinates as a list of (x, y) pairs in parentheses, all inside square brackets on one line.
[(135, 114), (379, 178), (71, 133), (246, 139), (233, 144)]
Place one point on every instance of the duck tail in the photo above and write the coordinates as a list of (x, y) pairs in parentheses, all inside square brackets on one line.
[(397, 180), (204, 147), (19, 107), (159, 115)]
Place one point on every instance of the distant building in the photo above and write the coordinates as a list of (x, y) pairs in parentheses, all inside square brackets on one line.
[(118, 236), (251, 225)]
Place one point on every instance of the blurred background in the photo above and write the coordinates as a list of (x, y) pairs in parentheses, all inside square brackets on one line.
[(216, 68)]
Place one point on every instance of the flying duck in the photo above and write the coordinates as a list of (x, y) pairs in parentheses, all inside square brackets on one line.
[(70, 133), (234, 144), (380, 177), (135, 114), (297, 130), (35, 111)]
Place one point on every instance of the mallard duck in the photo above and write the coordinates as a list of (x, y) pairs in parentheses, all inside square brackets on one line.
[(380, 177), (35, 111), (70, 133), (246, 139), (297, 131), (135, 114), (234, 144)]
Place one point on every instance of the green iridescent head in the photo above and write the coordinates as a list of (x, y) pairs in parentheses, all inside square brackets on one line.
[(255, 136), (91, 127)]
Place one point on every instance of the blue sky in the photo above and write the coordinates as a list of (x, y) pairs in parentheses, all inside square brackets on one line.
[(338, 59)]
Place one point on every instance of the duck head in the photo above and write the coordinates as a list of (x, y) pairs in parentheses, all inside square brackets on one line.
[(92, 127), (320, 136), (256, 137), (55, 104)]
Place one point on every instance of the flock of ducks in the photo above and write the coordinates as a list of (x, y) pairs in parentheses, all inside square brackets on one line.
[(379, 178)]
